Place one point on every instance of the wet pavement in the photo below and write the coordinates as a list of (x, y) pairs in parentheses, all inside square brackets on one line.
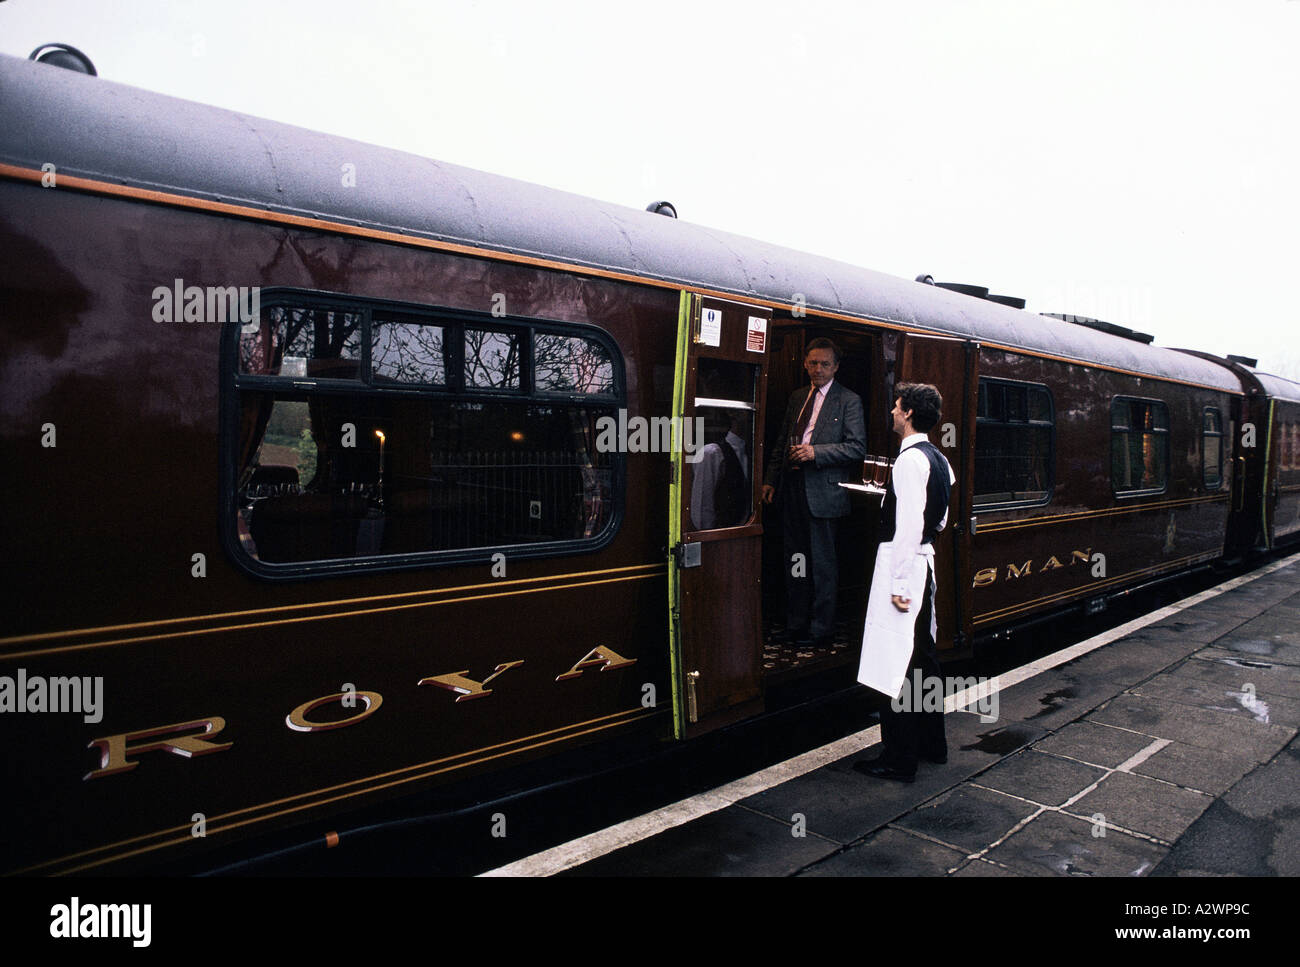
[(1170, 751)]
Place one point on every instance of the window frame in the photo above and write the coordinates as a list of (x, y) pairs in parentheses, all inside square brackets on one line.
[(454, 322), (980, 508), (1166, 434)]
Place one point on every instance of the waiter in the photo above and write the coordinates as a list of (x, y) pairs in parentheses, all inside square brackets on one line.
[(822, 442), (900, 611)]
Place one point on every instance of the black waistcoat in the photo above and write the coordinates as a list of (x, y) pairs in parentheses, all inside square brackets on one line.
[(938, 490)]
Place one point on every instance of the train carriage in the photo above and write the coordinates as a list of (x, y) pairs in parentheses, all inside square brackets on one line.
[(346, 473)]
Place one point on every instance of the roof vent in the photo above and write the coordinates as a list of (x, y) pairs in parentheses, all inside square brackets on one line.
[(63, 55), (1245, 361), (978, 291), (1100, 326), (662, 208)]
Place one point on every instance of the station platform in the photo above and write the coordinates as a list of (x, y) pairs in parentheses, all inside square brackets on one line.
[(1165, 747)]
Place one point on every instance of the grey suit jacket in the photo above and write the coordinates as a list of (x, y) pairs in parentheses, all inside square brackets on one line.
[(840, 442)]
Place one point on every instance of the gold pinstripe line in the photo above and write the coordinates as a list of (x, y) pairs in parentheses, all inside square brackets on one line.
[(1084, 514), (95, 186), (72, 632), (316, 617)]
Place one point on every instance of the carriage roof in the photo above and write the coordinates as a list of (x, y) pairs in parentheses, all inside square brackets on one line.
[(113, 133)]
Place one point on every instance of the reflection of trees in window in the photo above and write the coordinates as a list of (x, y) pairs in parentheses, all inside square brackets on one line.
[(309, 334), (407, 352), (571, 364), (491, 359)]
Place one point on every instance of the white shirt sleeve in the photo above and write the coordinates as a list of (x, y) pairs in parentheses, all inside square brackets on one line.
[(911, 474)]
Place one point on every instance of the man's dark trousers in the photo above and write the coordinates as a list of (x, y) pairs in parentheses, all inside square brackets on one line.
[(910, 734), (810, 604)]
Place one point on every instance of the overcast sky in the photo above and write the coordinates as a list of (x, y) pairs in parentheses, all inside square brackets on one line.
[(1134, 161)]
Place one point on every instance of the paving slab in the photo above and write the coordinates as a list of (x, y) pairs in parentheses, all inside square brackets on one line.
[(967, 817), (1241, 660), (1252, 830), (1056, 845), (1190, 766), (1051, 701), (1147, 650), (1143, 805), (730, 842), (889, 852), (1263, 641), (983, 867), (1241, 702), (1205, 728), (1123, 667), (1039, 777), (1098, 745), (994, 739), (1205, 621), (843, 805), (1268, 680)]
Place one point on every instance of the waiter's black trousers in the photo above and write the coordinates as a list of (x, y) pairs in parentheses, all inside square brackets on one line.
[(909, 734)]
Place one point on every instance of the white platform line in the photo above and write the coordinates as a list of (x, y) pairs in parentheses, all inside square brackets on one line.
[(586, 848)]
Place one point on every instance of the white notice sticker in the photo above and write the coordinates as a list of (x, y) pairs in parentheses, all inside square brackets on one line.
[(711, 327), (756, 341)]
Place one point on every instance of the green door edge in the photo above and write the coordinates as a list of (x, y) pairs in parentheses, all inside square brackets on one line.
[(684, 315)]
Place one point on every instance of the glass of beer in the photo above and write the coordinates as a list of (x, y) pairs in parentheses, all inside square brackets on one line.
[(881, 476)]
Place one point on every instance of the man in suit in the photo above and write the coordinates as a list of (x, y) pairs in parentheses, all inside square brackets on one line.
[(913, 512), (823, 440)]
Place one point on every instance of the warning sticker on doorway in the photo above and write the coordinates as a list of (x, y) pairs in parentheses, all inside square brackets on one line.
[(756, 341)]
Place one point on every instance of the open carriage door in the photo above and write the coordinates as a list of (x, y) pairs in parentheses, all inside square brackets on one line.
[(952, 366), (714, 532)]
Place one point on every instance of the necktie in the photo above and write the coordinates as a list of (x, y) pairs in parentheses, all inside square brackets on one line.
[(805, 415)]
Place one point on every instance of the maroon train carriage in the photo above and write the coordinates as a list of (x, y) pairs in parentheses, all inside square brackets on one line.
[(1266, 454), (334, 474)]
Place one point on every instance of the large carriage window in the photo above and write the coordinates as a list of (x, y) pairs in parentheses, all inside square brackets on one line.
[(1212, 449), (1139, 445), (1014, 428), (410, 448)]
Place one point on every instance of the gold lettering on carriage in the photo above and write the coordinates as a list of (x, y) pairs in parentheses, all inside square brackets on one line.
[(1014, 571), (118, 753), (467, 688), (605, 659), (178, 739)]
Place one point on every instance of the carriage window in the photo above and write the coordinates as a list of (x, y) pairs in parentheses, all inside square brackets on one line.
[(720, 477), (1014, 429), (491, 359), (317, 343), (571, 364), (406, 351), (330, 472), (1212, 449), (1139, 446)]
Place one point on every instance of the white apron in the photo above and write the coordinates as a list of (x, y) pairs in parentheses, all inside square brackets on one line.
[(888, 637)]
